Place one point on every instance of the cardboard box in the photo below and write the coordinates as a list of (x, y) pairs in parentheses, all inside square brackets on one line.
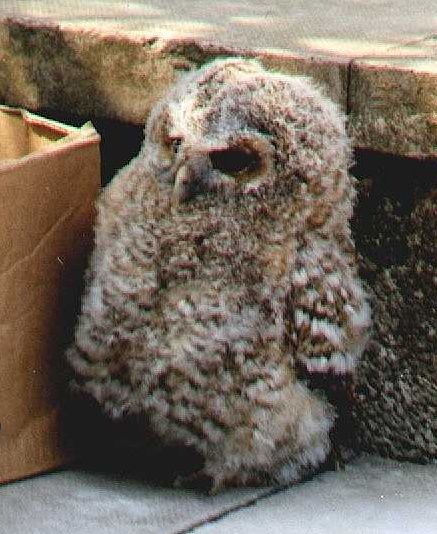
[(49, 180)]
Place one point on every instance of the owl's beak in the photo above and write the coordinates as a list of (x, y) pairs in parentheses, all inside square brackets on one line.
[(192, 177)]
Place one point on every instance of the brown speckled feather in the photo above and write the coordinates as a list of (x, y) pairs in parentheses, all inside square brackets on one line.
[(223, 260)]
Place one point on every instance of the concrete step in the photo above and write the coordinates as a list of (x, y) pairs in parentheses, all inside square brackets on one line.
[(115, 59)]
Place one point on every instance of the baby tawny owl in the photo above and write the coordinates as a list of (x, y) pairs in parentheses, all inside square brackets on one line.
[(223, 264)]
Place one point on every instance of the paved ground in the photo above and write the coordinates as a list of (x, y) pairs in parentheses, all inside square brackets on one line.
[(372, 496), (380, 29)]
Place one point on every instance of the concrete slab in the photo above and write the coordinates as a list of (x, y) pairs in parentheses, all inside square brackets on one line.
[(116, 76), (378, 59), (393, 107), (345, 28), (370, 496), (79, 502)]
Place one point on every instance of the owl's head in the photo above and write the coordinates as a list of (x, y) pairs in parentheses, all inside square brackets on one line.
[(234, 131)]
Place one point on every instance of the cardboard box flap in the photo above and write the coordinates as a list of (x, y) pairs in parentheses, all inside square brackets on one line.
[(49, 180), (24, 134)]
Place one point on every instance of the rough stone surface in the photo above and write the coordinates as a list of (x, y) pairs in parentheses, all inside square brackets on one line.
[(393, 110), (395, 392), (85, 73), (119, 74), (117, 77)]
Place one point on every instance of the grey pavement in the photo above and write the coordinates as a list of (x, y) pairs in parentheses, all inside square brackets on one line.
[(371, 496), (86, 502), (378, 29)]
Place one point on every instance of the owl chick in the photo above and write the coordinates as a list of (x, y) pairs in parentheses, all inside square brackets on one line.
[(223, 264)]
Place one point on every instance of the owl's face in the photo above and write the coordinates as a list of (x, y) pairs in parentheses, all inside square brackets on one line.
[(233, 133), (207, 147)]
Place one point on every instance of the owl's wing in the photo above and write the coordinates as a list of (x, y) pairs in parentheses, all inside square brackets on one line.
[(328, 314), (121, 285)]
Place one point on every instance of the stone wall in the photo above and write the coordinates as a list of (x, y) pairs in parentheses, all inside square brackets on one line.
[(392, 109)]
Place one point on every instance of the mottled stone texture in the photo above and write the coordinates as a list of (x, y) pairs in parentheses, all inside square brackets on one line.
[(96, 75), (395, 227), (392, 106), (84, 73), (393, 110)]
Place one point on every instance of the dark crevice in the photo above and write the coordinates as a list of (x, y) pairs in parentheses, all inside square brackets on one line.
[(389, 187), (120, 142), (348, 88)]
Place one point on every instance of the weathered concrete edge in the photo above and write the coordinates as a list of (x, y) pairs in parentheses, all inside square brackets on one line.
[(391, 108)]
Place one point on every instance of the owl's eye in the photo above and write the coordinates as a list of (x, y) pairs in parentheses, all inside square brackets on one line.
[(235, 160)]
